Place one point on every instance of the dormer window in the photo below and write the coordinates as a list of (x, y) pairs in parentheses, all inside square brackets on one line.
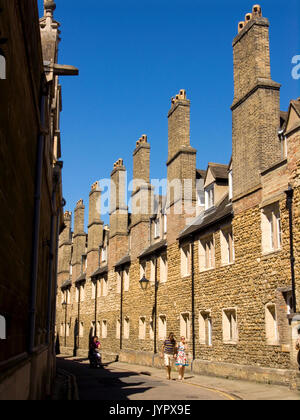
[(200, 198), (104, 254), (165, 223), (156, 229), (83, 263), (209, 197)]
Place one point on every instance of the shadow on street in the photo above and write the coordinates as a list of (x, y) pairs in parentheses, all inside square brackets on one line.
[(103, 384)]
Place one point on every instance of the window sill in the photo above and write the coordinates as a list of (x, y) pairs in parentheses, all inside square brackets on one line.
[(273, 344), (205, 270), (227, 264), (230, 343), (270, 254), (209, 346), (186, 276)]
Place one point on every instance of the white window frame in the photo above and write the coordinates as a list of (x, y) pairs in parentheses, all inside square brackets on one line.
[(82, 292), (118, 326), (271, 229), (209, 196), (126, 274), (230, 326), (227, 246), (200, 198), (157, 228), (163, 268), (142, 328), (162, 327), (271, 321), (104, 329), (165, 224), (206, 253), (104, 282), (185, 260), (205, 328), (104, 254), (81, 329), (126, 328), (94, 289), (185, 325)]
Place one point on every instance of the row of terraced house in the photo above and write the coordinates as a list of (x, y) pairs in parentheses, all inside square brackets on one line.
[(215, 259)]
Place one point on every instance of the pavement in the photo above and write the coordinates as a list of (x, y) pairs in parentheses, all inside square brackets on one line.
[(123, 382)]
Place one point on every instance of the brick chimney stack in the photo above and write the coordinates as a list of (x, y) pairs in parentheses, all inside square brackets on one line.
[(256, 106), (95, 229), (65, 250), (142, 197), (118, 235), (79, 239), (181, 163)]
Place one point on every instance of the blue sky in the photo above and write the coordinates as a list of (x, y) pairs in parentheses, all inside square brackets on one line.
[(133, 56)]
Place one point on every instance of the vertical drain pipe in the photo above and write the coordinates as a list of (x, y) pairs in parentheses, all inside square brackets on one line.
[(289, 205), (121, 310), (54, 215), (36, 231), (193, 297)]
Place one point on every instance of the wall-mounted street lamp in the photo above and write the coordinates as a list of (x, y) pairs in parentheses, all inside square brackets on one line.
[(144, 283)]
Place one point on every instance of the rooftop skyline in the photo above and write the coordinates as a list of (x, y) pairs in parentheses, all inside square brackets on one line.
[(134, 58)]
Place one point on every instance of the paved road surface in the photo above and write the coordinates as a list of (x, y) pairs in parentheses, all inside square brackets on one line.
[(119, 384)]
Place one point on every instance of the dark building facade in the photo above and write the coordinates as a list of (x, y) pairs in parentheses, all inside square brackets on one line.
[(31, 198)]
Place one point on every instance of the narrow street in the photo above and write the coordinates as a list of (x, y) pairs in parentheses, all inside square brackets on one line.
[(118, 384), (123, 382)]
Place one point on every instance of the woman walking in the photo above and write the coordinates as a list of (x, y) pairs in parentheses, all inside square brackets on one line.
[(182, 360)]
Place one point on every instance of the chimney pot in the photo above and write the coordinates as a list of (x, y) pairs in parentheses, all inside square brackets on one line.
[(256, 11), (241, 26), (248, 17)]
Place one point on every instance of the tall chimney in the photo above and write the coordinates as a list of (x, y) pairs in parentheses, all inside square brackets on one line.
[(118, 234), (79, 239), (142, 197), (256, 106), (65, 249), (95, 229), (181, 166)]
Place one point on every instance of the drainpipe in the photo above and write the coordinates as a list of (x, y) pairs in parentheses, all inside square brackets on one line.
[(36, 231), (193, 298), (121, 311), (289, 204), (155, 307), (56, 265), (54, 215)]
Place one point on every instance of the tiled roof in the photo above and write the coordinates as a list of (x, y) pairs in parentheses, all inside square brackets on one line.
[(66, 284), (81, 278), (99, 271), (207, 219), (201, 172), (219, 171), (296, 105), (125, 260), (153, 248)]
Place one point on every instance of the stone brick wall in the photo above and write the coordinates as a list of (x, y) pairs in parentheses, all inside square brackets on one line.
[(253, 281)]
